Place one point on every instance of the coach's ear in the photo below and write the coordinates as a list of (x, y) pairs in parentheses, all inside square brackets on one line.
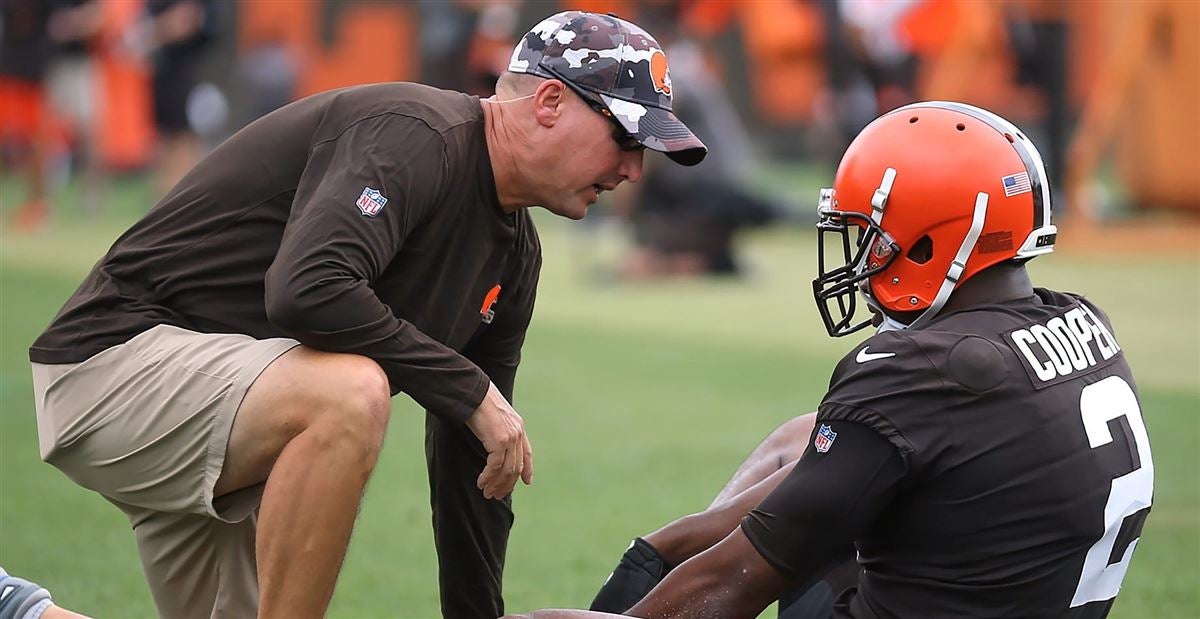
[(548, 101)]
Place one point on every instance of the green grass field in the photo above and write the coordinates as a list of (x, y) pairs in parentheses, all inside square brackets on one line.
[(640, 401)]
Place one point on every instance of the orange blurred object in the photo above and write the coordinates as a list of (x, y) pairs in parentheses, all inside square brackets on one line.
[(22, 107), (787, 66), (372, 42), (125, 132), (625, 8), (1142, 102), (965, 54)]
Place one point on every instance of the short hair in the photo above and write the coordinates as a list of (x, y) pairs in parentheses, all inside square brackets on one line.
[(512, 85)]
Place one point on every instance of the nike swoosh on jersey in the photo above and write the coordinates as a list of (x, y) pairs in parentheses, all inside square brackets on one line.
[(863, 356)]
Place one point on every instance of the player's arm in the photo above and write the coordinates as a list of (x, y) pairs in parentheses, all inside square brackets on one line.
[(319, 288), (822, 506), (649, 559)]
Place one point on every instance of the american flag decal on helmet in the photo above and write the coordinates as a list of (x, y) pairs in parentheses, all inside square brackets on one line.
[(1015, 184)]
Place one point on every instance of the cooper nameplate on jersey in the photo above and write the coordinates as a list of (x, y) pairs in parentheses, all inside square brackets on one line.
[(1068, 345)]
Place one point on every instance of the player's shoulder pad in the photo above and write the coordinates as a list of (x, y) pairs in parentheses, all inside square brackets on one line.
[(962, 356), (976, 364), (879, 362)]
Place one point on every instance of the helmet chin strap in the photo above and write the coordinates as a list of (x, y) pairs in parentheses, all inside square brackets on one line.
[(953, 274)]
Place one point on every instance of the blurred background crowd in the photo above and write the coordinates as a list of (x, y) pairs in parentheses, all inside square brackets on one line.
[(92, 90)]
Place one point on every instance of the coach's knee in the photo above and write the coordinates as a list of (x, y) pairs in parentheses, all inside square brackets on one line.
[(360, 406)]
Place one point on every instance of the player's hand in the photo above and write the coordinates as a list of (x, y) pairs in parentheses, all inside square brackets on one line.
[(509, 455)]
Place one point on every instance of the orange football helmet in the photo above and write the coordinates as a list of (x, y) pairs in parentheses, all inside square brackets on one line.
[(936, 191)]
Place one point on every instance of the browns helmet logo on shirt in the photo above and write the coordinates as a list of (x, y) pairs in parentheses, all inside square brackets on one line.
[(489, 300)]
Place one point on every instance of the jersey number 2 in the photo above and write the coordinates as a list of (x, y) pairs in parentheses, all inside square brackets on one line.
[(1100, 403)]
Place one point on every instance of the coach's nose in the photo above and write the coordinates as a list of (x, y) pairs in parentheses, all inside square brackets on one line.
[(631, 165)]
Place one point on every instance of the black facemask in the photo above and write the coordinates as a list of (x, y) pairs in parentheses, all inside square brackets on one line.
[(837, 289)]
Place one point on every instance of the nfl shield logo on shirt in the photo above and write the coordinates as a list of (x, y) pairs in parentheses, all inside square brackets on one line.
[(371, 202), (824, 439)]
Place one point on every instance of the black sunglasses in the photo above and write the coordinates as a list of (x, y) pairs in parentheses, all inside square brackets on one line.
[(625, 141)]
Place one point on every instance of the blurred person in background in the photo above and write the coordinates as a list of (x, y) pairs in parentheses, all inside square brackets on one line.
[(445, 33), (177, 36), (267, 73), (71, 81), (223, 375), (1039, 34), (684, 220), (465, 44), (490, 45), (884, 56), (983, 454), (24, 122)]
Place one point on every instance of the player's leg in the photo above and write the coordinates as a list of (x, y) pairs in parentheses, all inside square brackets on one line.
[(470, 532), (311, 427), (648, 559)]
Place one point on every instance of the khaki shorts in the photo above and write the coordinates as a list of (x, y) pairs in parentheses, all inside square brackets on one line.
[(146, 425)]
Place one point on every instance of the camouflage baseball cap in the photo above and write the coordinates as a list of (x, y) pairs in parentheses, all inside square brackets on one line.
[(619, 66)]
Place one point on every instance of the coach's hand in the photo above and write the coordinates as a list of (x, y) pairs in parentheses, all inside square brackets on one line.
[(502, 432)]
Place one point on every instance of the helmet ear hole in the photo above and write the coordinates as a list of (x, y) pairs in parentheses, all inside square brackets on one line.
[(921, 251)]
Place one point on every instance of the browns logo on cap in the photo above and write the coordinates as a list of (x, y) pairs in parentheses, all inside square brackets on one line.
[(660, 73)]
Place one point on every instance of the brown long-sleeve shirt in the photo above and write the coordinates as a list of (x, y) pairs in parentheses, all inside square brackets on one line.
[(363, 220)]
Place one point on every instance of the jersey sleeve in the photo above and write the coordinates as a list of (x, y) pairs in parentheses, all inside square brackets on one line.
[(837, 488), (362, 192)]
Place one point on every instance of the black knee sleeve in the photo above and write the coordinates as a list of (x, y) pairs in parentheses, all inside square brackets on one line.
[(641, 568)]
